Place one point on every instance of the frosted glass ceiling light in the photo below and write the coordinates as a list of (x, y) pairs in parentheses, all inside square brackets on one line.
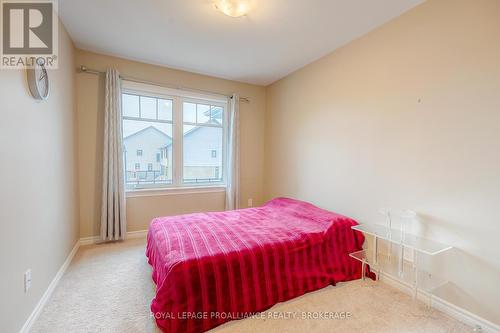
[(234, 8)]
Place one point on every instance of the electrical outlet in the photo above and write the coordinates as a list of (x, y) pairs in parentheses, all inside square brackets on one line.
[(250, 202), (27, 280)]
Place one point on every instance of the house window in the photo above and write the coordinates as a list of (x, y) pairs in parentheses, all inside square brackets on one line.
[(157, 121), (137, 166)]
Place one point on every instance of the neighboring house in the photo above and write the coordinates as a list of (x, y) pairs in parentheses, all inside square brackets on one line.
[(203, 154), (148, 156), (143, 157)]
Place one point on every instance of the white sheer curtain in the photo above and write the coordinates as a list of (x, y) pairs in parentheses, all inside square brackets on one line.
[(233, 155), (113, 225)]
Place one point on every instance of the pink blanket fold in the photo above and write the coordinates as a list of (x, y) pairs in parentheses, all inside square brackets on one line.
[(210, 268)]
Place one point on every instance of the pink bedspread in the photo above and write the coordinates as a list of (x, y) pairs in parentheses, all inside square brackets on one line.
[(210, 268)]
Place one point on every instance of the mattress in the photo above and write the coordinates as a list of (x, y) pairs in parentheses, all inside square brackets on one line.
[(210, 268)]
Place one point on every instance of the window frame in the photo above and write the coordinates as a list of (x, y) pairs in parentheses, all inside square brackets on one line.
[(178, 97)]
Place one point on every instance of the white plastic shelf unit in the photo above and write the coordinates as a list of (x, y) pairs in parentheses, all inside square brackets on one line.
[(405, 270), (410, 241)]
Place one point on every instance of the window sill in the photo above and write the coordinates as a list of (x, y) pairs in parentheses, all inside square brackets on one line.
[(152, 192)]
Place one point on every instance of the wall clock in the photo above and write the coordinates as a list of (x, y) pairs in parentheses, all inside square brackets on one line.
[(38, 81)]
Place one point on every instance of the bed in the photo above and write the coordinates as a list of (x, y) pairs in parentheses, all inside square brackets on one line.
[(210, 268)]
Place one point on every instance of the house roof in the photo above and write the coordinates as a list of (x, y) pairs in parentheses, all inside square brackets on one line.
[(194, 129), (145, 130)]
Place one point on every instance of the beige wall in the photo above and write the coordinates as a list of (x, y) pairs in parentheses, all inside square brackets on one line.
[(140, 210), (38, 193), (407, 116)]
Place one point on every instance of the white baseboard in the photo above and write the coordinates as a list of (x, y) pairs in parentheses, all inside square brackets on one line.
[(46, 295), (97, 239), (89, 240), (440, 304), (137, 234)]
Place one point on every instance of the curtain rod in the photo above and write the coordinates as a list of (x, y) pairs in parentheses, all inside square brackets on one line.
[(84, 69)]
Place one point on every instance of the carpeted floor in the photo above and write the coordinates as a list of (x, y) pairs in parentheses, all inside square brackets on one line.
[(108, 288)]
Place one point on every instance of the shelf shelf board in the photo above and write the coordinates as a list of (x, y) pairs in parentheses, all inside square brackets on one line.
[(416, 243)]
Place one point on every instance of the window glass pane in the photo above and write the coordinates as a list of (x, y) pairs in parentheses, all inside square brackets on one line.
[(202, 154), (148, 107), (165, 109), (217, 114), (189, 112), (130, 105), (153, 166), (203, 113), (148, 142)]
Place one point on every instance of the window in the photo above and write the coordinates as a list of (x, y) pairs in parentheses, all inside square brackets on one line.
[(147, 130), (179, 136), (203, 136)]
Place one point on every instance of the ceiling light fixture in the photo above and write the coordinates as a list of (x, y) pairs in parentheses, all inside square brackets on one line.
[(234, 8)]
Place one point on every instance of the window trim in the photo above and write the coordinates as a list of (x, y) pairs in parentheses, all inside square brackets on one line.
[(178, 97), (153, 192)]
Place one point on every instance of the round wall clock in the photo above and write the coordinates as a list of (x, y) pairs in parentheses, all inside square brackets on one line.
[(38, 81)]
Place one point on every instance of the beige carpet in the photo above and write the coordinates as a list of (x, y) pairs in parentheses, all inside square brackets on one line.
[(108, 288)]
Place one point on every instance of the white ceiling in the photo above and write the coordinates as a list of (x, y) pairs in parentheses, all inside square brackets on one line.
[(276, 38)]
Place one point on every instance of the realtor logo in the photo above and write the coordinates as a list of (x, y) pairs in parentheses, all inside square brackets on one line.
[(29, 33)]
